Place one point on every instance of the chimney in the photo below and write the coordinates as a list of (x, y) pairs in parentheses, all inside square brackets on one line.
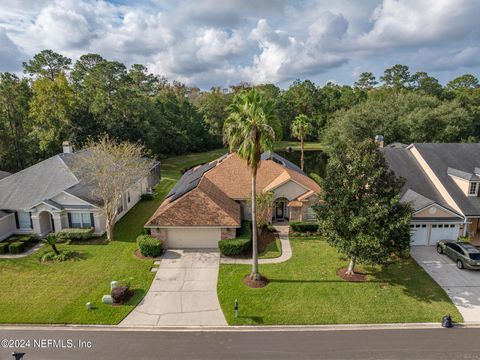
[(379, 140), (67, 147)]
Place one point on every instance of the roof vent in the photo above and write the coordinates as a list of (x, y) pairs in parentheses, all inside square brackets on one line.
[(67, 147)]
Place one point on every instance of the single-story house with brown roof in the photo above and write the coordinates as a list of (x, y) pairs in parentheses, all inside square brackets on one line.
[(210, 201)]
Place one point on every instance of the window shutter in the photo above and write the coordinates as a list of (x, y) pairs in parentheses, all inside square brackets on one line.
[(69, 220), (92, 221), (31, 223), (16, 220)]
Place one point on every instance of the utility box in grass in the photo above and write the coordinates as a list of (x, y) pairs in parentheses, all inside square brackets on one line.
[(113, 285), (107, 299)]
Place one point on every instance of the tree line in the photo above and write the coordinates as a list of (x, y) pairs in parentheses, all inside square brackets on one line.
[(59, 100)]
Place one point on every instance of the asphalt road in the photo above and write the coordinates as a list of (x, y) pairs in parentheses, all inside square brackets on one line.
[(422, 344)]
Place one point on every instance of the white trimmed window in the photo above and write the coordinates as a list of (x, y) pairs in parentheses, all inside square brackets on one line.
[(80, 220), (311, 215), (473, 190)]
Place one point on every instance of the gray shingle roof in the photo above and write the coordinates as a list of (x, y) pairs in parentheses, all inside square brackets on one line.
[(463, 157), (418, 189), (462, 174)]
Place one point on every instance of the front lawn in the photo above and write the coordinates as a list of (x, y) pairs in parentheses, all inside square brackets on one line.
[(306, 290), (32, 292)]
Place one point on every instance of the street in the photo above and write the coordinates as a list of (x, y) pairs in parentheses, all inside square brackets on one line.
[(51, 344)]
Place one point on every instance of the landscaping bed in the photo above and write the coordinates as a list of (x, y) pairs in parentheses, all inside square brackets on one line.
[(17, 244), (307, 290)]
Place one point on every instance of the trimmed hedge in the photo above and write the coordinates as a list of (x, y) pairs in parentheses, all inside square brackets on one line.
[(75, 234), (303, 227), (16, 247), (147, 196), (149, 246), (63, 256), (27, 239), (4, 247), (229, 247)]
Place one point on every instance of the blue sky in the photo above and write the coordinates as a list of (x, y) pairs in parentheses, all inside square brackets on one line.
[(222, 42)]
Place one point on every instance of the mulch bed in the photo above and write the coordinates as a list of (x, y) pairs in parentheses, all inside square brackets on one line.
[(356, 277), (256, 284)]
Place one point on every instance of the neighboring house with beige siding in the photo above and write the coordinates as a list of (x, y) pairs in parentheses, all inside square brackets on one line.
[(441, 184), (210, 201), (50, 196)]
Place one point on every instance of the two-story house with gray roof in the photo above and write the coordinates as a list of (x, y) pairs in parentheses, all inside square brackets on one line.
[(50, 196), (442, 182)]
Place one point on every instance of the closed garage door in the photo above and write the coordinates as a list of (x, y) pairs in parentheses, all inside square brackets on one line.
[(419, 234), (196, 238), (443, 232)]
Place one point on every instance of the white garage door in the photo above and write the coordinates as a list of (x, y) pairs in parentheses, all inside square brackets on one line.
[(419, 234), (193, 238), (443, 232)]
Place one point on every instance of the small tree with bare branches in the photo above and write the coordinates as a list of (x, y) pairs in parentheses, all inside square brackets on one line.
[(109, 168)]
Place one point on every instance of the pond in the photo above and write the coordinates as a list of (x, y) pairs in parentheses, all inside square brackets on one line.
[(315, 161)]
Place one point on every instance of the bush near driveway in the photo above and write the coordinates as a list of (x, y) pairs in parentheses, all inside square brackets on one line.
[(149, 246), (304, 227), (306, 290), (240, 244)]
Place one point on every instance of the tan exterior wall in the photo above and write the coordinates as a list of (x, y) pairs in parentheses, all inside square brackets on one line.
[(473, 226), (228, 233), (160, 234), (301, 213), (434, 179), (290, 190), (66, 199), (463, 184), (437, 212)]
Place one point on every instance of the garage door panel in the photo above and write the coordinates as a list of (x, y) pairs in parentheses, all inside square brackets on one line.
[(443, 232), (419, 234), (191, 238)]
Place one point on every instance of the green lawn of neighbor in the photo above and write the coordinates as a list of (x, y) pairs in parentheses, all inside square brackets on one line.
[(306, 290)]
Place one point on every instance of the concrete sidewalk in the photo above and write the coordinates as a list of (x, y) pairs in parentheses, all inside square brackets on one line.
[(183, 293), (286, 250)]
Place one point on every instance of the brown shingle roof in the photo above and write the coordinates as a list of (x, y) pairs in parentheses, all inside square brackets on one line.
[(206, 205)]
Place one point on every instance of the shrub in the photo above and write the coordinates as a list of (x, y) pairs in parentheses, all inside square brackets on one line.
[(63, 256), (304, 227), (149, 246), (16, 247), (4, 247), (27, 239), (75, 234), (147, 196), (121, 294), (229, 247)]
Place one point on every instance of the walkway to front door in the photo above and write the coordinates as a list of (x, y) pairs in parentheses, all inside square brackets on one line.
[(184, 292)]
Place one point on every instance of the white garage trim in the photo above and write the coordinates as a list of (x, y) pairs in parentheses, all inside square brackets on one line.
[(430, 232)]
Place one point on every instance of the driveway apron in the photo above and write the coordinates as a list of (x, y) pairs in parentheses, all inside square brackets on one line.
[(462, 286), (183, 293)]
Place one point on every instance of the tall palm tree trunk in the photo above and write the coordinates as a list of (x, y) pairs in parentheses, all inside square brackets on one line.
[(302, 150), (254, 275)]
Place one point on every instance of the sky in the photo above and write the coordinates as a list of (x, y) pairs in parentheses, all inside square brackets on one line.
[(209, 43)]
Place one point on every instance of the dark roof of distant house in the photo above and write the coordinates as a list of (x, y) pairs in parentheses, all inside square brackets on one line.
[(269, 155), (463, 157), (42, 181), (418, 188), (4, 174)]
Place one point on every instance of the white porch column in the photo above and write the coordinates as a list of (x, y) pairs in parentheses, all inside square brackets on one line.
[(36, 223), (57, 221)]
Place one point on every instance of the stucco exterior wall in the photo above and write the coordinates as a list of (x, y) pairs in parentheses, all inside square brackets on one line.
[(290, 190), (160, 234), (67, 199), (7, 226), (434, 212), (463, 184)]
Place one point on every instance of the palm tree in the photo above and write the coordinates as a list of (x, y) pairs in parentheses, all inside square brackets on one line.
[(301, 127), (51, 239), (247, 130)]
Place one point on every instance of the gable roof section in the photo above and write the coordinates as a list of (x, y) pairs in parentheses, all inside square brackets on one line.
[(36, 183), (462, 174), (418, 188), (205, 205), (464, 157)]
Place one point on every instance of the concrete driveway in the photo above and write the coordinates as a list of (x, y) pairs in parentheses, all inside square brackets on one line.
[(462, 286), (183, 293)]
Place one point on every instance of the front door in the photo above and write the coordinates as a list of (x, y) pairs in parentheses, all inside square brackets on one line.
[(279, 210)]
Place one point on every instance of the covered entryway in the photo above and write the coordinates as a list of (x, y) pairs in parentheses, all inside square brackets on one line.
[(193, 238), (280, 212), (46, 223)]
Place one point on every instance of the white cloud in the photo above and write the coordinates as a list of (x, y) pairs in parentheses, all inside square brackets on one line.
[(11, 55)]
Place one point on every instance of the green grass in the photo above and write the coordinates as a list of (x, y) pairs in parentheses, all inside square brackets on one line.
[(273, 250), (295, 145), (32, 292), (306, 290)]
